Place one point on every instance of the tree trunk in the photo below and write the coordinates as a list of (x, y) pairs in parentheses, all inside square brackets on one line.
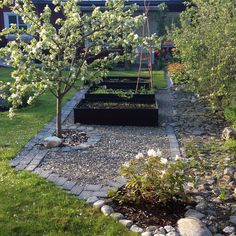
[(58, 117)]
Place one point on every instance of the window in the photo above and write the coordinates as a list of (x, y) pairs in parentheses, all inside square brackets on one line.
[(12, 18)]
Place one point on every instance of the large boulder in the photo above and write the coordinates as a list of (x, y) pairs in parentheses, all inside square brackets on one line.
[(51, 142), (192, 227), (228, 133)]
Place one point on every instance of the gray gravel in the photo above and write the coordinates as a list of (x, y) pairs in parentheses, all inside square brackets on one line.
[(98, 164)]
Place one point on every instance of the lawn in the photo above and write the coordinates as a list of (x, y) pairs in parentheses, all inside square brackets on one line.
[(159, 81), (28, 204)]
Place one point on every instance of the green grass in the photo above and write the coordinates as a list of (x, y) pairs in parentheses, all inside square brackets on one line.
[(159, 81), (28, 204)]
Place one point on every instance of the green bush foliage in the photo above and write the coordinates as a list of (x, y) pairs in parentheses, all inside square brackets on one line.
[(206, 44), (152, 177)]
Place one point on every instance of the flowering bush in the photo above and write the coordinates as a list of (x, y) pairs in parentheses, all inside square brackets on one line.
[(177, 73), (152, 177)]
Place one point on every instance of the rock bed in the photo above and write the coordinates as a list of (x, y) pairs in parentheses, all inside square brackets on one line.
[(199, 130), (99, 163)]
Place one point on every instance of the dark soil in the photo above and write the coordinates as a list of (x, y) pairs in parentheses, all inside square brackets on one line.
[(115, 105), (73, 137), (149, 213)]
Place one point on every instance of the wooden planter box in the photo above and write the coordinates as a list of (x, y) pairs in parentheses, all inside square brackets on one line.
[(146, 115)]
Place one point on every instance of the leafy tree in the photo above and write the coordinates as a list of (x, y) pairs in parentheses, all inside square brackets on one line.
[(206, 43), (74, 47)]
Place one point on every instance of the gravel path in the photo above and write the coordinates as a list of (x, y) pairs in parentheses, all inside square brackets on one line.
[(98, 164)]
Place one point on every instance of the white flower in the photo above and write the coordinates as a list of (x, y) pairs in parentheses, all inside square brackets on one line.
[(139, 156), (164, 160), (159, 152), (8, 83), (152, 153), (177, 158), (126, 164), (163, 173), (30, 100), (14, 95)]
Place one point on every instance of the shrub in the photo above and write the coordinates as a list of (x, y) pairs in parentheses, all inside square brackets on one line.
[(177, 73), (153, 178)]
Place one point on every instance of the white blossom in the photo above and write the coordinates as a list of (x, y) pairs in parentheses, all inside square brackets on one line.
[(152, 153), (164, 160), (159, 152), (127, 164), (139, 156), (177, 158)]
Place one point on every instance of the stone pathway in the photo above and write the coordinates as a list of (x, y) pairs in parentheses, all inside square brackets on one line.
[(34, 156)]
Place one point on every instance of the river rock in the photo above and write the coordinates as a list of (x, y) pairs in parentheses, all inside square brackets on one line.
[(194, 214), (107, 210), (192, 227), (228, 133), (51, 142), (233, 219)]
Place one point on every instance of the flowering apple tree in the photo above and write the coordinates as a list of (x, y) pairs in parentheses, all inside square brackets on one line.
[(72, 48)]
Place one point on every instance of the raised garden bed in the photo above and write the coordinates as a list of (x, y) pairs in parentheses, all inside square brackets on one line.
[(126, 78), (124, 85), (142, 98), (117, 111)]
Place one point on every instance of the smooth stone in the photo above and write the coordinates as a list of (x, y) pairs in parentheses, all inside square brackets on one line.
[(107, 210), (169, 228), (229, 171), (136, 229), (160, 230), (117, 216), (233, 219), (172, 234), (52, 141), (98, 204), (146, 234), (92, 200), (159, 234), (151, 228), (192, 227), (194, 214), (229, 229), (126, 223), (201, 206)]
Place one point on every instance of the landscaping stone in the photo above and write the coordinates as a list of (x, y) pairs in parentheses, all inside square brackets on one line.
[(230, 171), (107, 210), (192, 227), (51, 142), (147, 234), (85, 194), (160, 230), (92, 200), (233, 219), (98, 204), (136, 229), (228, 133), (92, 187), (68, 185), (194, 214), (159, 235), (229, 229), (151, 228), (169, 228), (77, 189), (117, 216), (126, 223), (173, 233)]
